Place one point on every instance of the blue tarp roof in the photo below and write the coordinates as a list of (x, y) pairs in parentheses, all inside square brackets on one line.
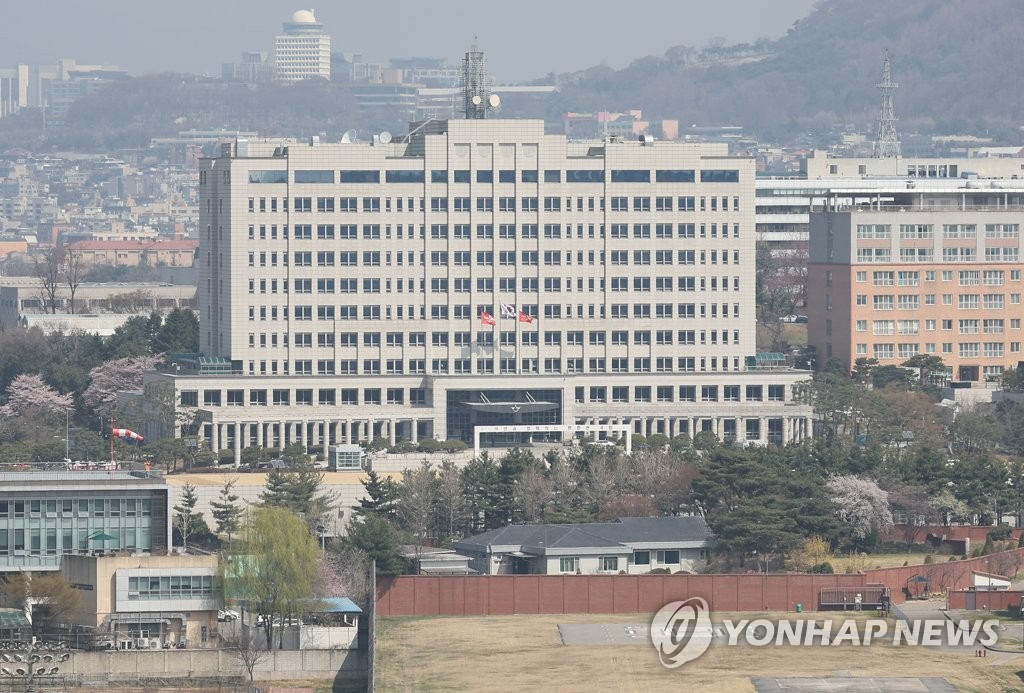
[(339, 605)]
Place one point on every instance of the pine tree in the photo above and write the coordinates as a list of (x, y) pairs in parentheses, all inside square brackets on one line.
[(382, 497), (226, 511), (188, 522)]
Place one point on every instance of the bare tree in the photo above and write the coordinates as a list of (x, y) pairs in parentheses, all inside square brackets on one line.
[(250, 653), (452, 515), (74, 274), (46, 268), (533, 495)]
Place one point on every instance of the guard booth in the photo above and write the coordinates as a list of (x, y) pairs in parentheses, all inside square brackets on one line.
[(344, 458)]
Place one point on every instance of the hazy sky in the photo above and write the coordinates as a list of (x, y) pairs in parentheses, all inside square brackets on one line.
[(523, 39)]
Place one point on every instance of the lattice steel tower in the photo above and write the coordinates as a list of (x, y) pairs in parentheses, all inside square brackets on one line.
[(888, 143), (476, 84)]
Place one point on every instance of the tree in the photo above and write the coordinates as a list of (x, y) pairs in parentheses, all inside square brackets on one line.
[(913, 507), (46, 268), (382, 497), (532, 494), (35, 407), (246, 649), (47, 597), (226, 511), (74, 274), (862, 504), (111, 377), (274, 567), (927, 365), (298, 489), (417, 497), (178, 334), (188, 522), (374, 536), (863, 367), (450, 508)]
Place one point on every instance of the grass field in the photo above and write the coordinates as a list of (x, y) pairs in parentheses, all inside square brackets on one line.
[(525, 653)]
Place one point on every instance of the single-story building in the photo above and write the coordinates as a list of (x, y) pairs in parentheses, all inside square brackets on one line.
[(630, 545)]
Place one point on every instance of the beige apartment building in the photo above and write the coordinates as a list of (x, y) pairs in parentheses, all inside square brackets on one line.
[(932, 272), (478, 273)]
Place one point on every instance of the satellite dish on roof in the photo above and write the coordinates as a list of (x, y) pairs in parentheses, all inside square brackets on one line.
[(384, 137), (349, 137), (494, 100), (477, 100)]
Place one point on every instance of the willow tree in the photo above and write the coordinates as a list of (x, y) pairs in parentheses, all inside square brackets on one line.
[(274, 568)]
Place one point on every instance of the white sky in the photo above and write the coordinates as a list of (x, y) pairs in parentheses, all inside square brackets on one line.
[(523, 39)]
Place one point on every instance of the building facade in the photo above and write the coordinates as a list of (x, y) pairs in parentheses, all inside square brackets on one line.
[(303, 51), (47, 515), (478, 273), (925, 272)]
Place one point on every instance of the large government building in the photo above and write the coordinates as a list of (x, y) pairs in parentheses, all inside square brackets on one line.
[(478, 273)]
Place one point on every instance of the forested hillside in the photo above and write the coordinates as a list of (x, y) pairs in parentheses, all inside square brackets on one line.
[(957, 63)]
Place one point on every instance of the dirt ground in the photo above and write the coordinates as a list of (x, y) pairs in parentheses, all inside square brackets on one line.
[(525, 653)]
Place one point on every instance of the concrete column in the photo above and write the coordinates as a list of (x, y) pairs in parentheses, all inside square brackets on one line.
[(392, 431), (327, 435), (215, 437), (762, 428), (346, 432), (240, 428), (304, 434), (414, 433), (259, 434)]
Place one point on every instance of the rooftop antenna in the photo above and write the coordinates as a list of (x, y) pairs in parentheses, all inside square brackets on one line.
[(887, 145), (476, 84)]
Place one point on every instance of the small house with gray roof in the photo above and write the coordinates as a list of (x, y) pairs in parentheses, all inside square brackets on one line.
[(631, 545)]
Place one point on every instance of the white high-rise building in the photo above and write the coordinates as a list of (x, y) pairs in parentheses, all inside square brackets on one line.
[(479, 272), (303, 51)]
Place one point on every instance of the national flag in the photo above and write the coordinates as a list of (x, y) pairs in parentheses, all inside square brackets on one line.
[(487, 319), (523, 317), (508, 310)]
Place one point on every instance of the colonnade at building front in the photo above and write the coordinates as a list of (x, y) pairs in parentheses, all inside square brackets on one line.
[(279, 434), (744, 429), (759, 430)]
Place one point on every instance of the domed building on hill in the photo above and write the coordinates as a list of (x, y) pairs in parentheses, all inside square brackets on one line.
[(303, 51)]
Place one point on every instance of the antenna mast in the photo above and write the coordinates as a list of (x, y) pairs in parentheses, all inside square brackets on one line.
[(476, 84), (887, 145)]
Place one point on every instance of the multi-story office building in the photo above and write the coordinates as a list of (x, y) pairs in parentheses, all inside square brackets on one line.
[(46, 515), (478, 272), (924, 271), (303, 51)]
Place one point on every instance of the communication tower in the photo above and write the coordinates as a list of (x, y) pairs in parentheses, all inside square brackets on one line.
[(887, 145), (476, 85)]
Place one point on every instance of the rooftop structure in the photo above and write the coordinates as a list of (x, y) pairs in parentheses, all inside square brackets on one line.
[(303, 51)]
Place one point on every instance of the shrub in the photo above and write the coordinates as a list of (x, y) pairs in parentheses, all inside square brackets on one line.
[(930, 558), (1000, 533), (823, 569), (429, 445), (454, 445)]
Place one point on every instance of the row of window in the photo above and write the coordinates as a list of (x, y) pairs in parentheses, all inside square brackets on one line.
[(171, 587), (505, 203), (488, 338), (917, 231), (464, 285), (914, 301), (330, 232), (82, 507), (965, 254), (550, 311), (909, 327), (610, 564), (486, 258), (597, 394), (466, 366), (372, 176), (913, 278), (50, 541), (965, 349)]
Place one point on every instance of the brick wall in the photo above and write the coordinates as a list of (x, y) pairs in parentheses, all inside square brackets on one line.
[(492, 595)]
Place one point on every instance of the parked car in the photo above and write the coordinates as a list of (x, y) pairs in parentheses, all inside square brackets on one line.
[(227, 615)]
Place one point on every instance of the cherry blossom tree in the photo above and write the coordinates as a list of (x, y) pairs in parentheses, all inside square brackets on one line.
[(29, 395), (862, 504), (119, 375)]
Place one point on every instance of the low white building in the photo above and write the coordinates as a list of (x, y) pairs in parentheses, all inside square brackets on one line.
[(630, 545)]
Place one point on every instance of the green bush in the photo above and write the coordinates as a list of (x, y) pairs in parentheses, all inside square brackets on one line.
[(429, 445), (1000, 533), (823, 569), (930, 558), (454, 445)]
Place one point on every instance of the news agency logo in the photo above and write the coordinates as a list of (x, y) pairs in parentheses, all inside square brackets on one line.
[(681, 631)]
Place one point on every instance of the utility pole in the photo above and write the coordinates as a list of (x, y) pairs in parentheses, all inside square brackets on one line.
[(887, 146)]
